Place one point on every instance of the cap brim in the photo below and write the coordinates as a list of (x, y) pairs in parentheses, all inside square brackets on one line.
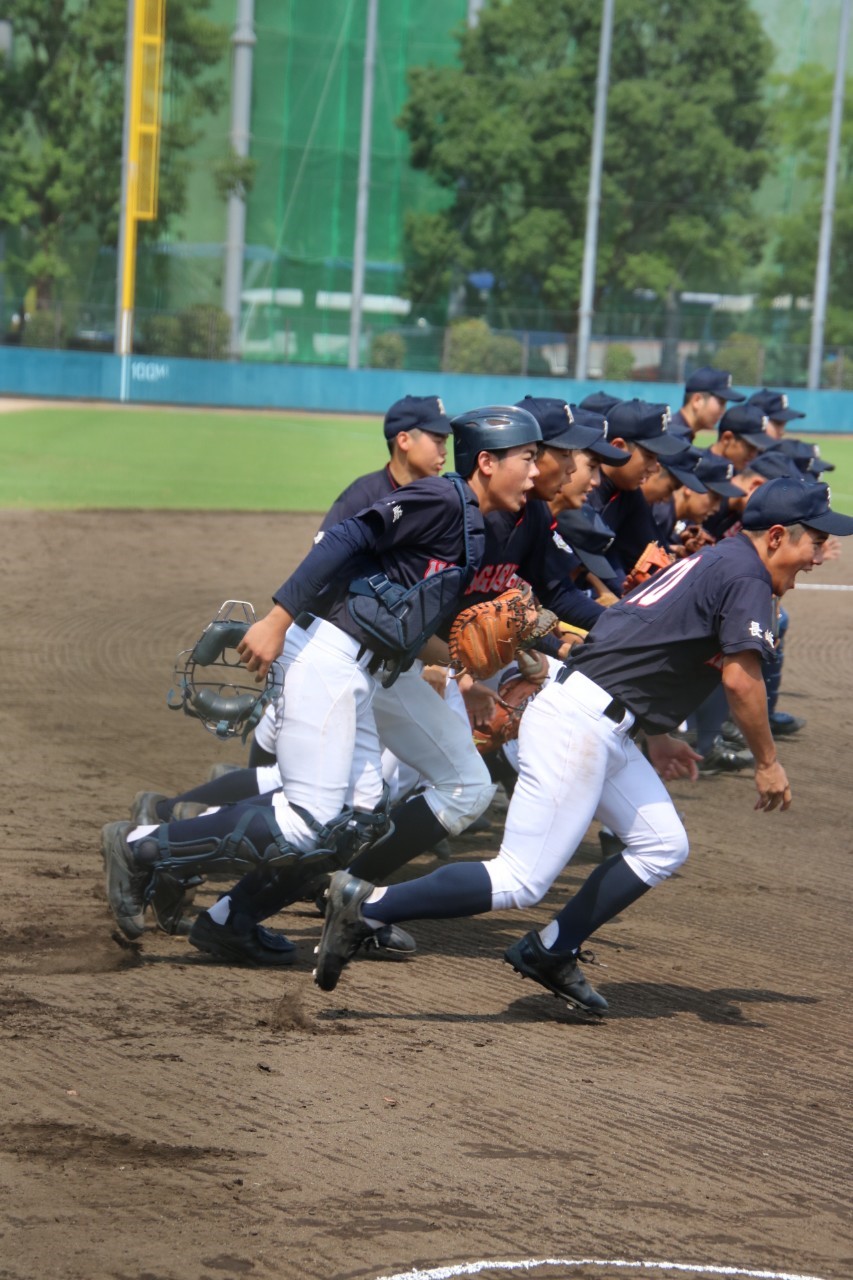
[(735, 397), (594, 562), (818, 465), (723, 489), (574, 437), (785, 415), (687, 478), (759, 440), (831, 522), (609, 453), (663, 445)]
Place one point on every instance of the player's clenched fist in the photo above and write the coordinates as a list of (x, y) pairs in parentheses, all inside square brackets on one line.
[(773, 789)]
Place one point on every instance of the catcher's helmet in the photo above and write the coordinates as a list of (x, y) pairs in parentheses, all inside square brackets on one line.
[(217, 690), (495, 427)]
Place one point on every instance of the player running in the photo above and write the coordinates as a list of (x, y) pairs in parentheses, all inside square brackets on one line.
[(650, 660)]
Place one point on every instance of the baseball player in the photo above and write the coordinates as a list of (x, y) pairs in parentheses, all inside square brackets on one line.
[(640, 429), (517, 547), (774, 405), (416, 430), (708, 393), (328, 746), (649, 660)]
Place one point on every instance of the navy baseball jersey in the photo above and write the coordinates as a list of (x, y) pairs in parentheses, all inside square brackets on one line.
[(660, 650), (413, 532), (522, 546), (663, 514), (628, 514), (363, 492)]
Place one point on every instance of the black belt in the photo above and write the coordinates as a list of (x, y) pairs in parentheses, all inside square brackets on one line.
[(304, 620), (615, 710)]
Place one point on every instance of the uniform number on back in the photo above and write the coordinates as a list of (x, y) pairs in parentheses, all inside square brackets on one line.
[(663, 583)]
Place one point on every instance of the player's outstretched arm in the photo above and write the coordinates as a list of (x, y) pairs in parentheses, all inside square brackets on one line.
[(264, 641), (747, 696)]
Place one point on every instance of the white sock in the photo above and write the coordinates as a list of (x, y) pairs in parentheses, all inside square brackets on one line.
[(374, 897), (220, 911), (138, 832), (549, 934)]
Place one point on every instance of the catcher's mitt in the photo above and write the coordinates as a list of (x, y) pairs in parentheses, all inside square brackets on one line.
[(653, 558), (485, 637), (514, 696)]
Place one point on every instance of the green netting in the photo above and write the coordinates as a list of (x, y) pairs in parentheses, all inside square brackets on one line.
[(306, 123)]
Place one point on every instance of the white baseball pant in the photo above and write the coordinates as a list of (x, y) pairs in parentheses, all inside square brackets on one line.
[(575, 764)]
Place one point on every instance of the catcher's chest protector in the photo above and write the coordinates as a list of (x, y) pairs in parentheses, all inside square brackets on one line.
[(397, 621)]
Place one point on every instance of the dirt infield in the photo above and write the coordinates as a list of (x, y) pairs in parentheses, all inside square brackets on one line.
[(165, 1118)]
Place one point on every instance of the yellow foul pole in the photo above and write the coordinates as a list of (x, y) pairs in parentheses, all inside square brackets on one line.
[(143, 99)]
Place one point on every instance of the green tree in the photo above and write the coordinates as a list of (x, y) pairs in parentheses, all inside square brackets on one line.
[(507, 133), (62, 102)]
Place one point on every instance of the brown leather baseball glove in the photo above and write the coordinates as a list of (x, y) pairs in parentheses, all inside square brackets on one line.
[(653, 558), (514, 696), (486, 636)]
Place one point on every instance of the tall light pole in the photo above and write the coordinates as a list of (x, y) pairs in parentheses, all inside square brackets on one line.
[(362, 198), (593, 202), (243, 41), (824, 252)]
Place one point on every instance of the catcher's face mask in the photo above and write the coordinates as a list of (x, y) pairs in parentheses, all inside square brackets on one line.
[(213, 686)]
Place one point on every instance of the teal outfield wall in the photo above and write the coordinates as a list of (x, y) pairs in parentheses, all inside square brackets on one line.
[(69, 375)]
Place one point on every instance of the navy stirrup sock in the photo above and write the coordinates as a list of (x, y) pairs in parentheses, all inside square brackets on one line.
[(416, 829), (240, 784), (608, 890), (459, 889), (215, 826)]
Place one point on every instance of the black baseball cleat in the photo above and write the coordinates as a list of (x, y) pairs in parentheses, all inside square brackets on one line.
[(389, 943), (126, 881), (783, 724), (558, 971), (732, 736), (723, 757), (344, 929), (254, 945)]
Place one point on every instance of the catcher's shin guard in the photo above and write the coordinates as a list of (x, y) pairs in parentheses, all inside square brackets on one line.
[(368, 827), (255, 843)]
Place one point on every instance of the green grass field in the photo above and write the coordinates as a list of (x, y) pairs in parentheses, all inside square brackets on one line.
[(173, 458), (112, 456)]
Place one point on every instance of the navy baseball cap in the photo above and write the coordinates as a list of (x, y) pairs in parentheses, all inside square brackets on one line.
[(788, 501), (589, 537), (557, 423), (599, 424), (422, 413), (683, 467), (774, 405), (772, 465), (747, 421), (638, 422), (716, 474), (805, 457), (715, 382), (561, 429), (599, 402)]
